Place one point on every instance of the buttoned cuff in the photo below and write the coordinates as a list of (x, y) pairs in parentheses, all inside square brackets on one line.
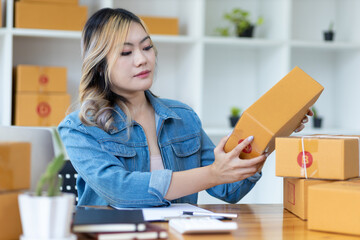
[(255, 177)]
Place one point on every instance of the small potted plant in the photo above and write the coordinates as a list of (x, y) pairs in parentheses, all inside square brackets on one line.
[(47, 213), (243, 26), (235, 115), (329, 34), (317, 121)]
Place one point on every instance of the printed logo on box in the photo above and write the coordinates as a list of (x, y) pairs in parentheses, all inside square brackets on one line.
[(43, 109), (43, 79), (247, 149), (306, 161)]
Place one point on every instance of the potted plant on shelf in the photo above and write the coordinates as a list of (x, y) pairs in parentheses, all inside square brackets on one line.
[(329, 34), (235, 115), (317, 121), (47, 214), (243, 26)]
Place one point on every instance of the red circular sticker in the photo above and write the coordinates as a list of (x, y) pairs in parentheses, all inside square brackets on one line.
[(307, 161), (43, 79), (43, 109), (247, 149)]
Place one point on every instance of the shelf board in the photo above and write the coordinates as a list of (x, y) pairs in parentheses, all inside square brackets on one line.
[(172, 39), (2, 31), (245, 42), (46, 33), (77, 35), (324, 45)]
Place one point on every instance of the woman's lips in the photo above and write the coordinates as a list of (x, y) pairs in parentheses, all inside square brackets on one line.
[(143, 74)]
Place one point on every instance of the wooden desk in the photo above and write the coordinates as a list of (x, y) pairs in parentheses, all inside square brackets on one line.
[(260, 221)]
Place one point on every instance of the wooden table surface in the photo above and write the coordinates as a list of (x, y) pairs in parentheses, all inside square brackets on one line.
[(259, 221)]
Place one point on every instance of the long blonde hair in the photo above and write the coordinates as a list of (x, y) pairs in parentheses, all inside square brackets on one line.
[(102, 41)]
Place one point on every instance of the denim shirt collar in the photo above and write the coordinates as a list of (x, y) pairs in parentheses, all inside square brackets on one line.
[(161, 112)]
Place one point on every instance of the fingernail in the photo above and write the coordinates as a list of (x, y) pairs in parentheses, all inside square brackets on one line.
[(267, 154), (229, 134), (250, 138)]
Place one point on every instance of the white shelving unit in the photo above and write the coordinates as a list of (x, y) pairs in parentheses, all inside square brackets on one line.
[(212, 73)]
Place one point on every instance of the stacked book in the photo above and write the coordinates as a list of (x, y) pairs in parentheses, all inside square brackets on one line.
[(109, 224)]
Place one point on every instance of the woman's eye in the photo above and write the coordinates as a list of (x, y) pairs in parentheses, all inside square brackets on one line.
[(148, 47), (125, 53)]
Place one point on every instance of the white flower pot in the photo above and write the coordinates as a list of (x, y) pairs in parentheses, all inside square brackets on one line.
[(45, 217)]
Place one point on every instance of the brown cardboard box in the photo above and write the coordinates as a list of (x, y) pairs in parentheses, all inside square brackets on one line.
[(277, 113), (296, 195), (33, 109), (15, 158), (50, 16), (326, 158), (10, 223), (30, 78), (334, 207), (162, 25), (73, 2)]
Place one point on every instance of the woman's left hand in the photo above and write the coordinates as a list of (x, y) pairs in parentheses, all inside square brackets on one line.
[(304, 120)]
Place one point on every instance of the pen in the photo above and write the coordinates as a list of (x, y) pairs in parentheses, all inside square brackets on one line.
[(206, 214)]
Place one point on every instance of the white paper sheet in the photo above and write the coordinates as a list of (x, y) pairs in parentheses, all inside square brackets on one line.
[(175, 210)]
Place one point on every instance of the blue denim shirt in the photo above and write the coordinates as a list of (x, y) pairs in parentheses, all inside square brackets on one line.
[(114, 169)]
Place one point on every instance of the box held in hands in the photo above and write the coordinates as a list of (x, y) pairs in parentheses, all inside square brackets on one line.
[(277, 113)]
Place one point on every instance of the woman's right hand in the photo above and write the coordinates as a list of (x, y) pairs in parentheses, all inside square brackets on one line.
[(229, 167)]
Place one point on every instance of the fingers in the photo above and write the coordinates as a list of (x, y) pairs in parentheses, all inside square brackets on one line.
[(300, 128), (238, 149), (310, 112), (253, 162)]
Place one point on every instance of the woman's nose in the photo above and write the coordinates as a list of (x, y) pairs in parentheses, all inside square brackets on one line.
[(140, 58)]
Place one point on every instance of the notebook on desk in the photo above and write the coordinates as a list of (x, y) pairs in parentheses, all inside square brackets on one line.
[(42, 149), (108, 220)]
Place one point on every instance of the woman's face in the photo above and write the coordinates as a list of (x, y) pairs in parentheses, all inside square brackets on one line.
[(133, 70)]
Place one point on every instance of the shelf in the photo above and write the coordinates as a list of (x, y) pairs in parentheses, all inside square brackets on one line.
[(172, 39), (2, 31), (46, 33), (243, 42), (324, 45)]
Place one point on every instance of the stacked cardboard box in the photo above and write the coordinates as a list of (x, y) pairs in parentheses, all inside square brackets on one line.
[(162, 25), (321, 175), (14, 178), (41, 98), (50, 14)]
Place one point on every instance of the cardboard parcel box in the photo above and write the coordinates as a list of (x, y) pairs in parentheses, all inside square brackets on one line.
[(277, 113), (50, 16), (33, 109), (334, 207), (325, 157), (15, 158), (296, 195), (162, 25), (31, 78), (10, 223)]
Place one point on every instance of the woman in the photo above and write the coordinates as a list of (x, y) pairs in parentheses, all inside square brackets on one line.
[(132, 149)]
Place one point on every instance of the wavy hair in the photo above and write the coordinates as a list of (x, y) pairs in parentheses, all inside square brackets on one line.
[(102, 41)]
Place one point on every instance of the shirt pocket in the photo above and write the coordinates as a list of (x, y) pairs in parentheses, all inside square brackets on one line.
[(187, 153), (126, 154)]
